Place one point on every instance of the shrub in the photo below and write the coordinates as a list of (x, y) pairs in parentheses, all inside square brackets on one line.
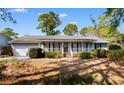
[(116, 55), (84, 55), (58, 54), (114, 47), (100, 53), (36, 53), (6, 50), (51, 54), (94, 53)]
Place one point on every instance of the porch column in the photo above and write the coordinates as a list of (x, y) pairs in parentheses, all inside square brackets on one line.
[(62, 48), (39, 45), (82, 47), (42, 46), (51, 46), (70, 48)]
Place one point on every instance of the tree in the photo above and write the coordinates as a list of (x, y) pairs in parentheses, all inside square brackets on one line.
[(5, 15), (87, 30), (70, 29), (48, 22), (113, 17), (10, 33)]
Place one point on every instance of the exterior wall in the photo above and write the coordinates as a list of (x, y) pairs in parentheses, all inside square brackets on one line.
[(4, 40), (22, 49)]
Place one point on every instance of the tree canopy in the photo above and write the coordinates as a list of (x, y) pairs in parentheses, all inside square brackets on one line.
[(10, 33), (48, 22), (70, 29), (87, 30)]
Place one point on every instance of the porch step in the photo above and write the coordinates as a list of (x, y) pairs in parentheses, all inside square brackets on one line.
[(67, 54)]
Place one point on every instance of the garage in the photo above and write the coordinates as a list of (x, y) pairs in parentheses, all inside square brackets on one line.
[(22, 49)]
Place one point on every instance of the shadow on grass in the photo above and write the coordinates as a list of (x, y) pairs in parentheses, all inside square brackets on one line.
[(69, 76)]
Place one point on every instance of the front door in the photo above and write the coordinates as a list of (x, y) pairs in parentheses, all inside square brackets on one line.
[(66, 51)]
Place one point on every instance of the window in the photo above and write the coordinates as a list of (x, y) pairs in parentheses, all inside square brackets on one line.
[(86, 46), (77, 46)]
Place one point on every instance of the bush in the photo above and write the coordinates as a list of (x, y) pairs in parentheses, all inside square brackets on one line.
[(100, 53), (53, 54), (114, 47), (58, 54), (116, 55), (6, 50), (84, 55), (36, 53)]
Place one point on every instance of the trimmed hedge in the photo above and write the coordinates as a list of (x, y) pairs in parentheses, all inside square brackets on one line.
[(84, 55), (6, 50), (36, 53), (114, 47)]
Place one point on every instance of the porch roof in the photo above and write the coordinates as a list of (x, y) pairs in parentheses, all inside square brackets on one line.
[(38, 39)]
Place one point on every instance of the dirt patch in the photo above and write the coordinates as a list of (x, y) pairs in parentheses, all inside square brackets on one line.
[(34, 71)]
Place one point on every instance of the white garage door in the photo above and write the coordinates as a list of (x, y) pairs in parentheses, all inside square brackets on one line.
[(22, 49)]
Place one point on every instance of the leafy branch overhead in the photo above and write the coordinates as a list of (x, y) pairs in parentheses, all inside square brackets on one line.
[(5, 15), (10, 33)]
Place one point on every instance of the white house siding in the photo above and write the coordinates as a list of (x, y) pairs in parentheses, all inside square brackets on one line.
[(4, 40), (22, 49)]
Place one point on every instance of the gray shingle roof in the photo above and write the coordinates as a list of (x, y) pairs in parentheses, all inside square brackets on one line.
[(37, 39)]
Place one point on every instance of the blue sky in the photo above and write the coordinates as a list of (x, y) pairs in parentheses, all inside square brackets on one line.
[(27, 18)]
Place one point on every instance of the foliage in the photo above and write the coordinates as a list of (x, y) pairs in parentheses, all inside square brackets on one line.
[(10, 33), (73, 79), (5, 15), (116, 55), (6, 50), (58, 54), (36, 53), (84, 55), (48, 22), (100, 53), (114, 47), (70, 29), (114, 17), (87, 30), (51, 54)]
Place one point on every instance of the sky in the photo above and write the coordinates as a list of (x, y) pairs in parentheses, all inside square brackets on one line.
[(27, 18)]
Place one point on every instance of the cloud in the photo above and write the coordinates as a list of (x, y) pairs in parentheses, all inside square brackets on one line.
[(19, 10), (73, 22), (39, 14), (63, 15)]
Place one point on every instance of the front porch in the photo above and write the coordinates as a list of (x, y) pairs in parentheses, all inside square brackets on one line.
[(69, 48)]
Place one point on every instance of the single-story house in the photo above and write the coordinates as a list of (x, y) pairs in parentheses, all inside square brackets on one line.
[(66, 44), (4, 39)]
